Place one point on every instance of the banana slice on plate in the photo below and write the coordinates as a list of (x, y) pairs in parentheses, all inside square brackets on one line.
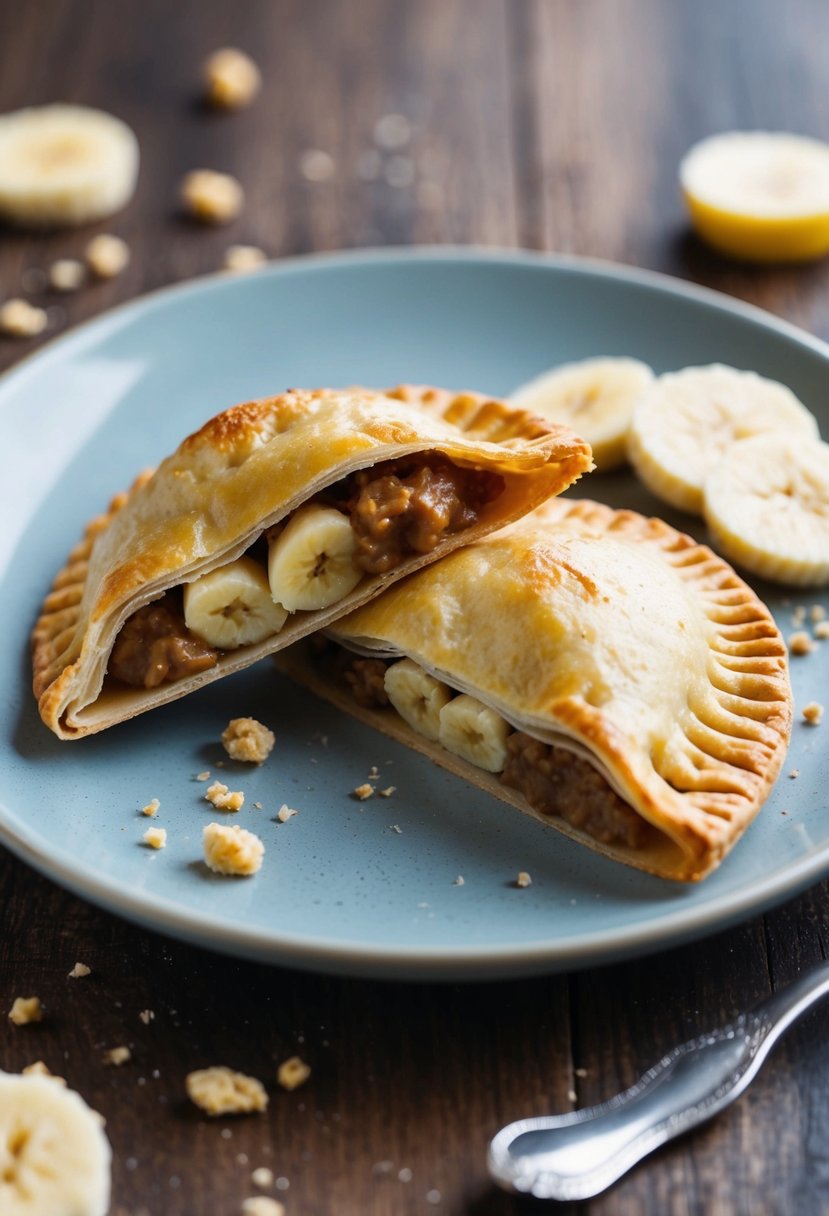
[(232, 606), (64, 165), (595, 397), (689, 419), (54, 1156), (311, 562), (767, 506), (759, 195), (474, 731), (417, 697)]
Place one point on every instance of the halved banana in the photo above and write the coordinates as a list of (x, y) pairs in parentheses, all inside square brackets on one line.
[(54, 1155), (232, 606), (767, 505), (311, 562), (595, 397), (689, 419), (417, 697), (64, 165), (474, 731)]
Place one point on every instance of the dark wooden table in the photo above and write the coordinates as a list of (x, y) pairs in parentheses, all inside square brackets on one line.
[(551, 124)]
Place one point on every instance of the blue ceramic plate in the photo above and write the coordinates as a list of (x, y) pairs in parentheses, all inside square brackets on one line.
[(342, 889)]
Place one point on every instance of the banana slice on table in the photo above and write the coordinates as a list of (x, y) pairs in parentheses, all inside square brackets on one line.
[(64, 165), (54, 1156), (759, 195), (232, 606), (474, 731), (595, 397), (417, 697), (767, 505), (687, 421), (311, 562)]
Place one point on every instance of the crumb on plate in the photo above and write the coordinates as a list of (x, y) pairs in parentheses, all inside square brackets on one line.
[(232, 850)]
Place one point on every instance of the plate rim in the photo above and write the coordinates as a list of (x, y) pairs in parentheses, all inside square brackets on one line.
[(472, 961)]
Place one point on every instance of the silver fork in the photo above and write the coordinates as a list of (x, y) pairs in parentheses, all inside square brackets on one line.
[(574, 1156)]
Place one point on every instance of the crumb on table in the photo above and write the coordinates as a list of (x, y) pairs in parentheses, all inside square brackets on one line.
[(293, 1073), (20, 319), (221, 1091), (247, 740), (66, 274), (213, 198), (39, 1069), (231, 79), (262, 1177), (241, 258), (26, 1009), (107, 255), (117, 1056), (232, 850), (223, 798), (147, 1016), (79, 971), (156, 838), (261, 1205)]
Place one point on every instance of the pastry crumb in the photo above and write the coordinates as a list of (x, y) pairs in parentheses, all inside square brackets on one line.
[(79, 971), (232, 850), (257, 806), (800, 643), (221, 1091), (151, 808), (247, 740), (572, 1096), (231, 79), (223, 798), (812, 713), (821, 631), (213, 198), (580, 1072), (66, 274), (794, 773), (39, 1069), (260, 1205), (395, 827), (374, 773), (26, 1009), (241, 258), (262, 1177), (204, 775), (107, 255), (363, 791), (292, 1073), (117, 1056), (147, 1016), (388, 791), (523, 879), (156, 838), (20, 319), (285, 813), (459, 881)]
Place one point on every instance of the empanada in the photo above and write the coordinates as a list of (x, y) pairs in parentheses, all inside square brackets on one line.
[(617, 680), (272, 520)]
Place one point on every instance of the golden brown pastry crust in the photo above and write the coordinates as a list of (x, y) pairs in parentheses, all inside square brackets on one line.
[(615, 636), (238, 475)]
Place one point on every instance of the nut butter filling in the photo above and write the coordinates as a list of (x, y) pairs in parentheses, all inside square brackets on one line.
[(395, 510), (553, 780)]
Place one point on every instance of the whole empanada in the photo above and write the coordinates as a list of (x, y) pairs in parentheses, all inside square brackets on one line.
[(617, 679), (415, 472)]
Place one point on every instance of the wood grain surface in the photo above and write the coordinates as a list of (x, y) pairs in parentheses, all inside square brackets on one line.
[(551, 124)]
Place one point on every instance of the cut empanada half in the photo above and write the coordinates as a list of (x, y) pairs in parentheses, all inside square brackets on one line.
[(276, 517), (596, 669)]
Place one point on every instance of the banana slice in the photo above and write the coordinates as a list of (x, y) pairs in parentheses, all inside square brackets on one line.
[(54, 1156), (759, 195), (474, 731), (417, 697), (767, 505), (687, 421), (232, 606), (64, 165), (311, 562), (595, 397)]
